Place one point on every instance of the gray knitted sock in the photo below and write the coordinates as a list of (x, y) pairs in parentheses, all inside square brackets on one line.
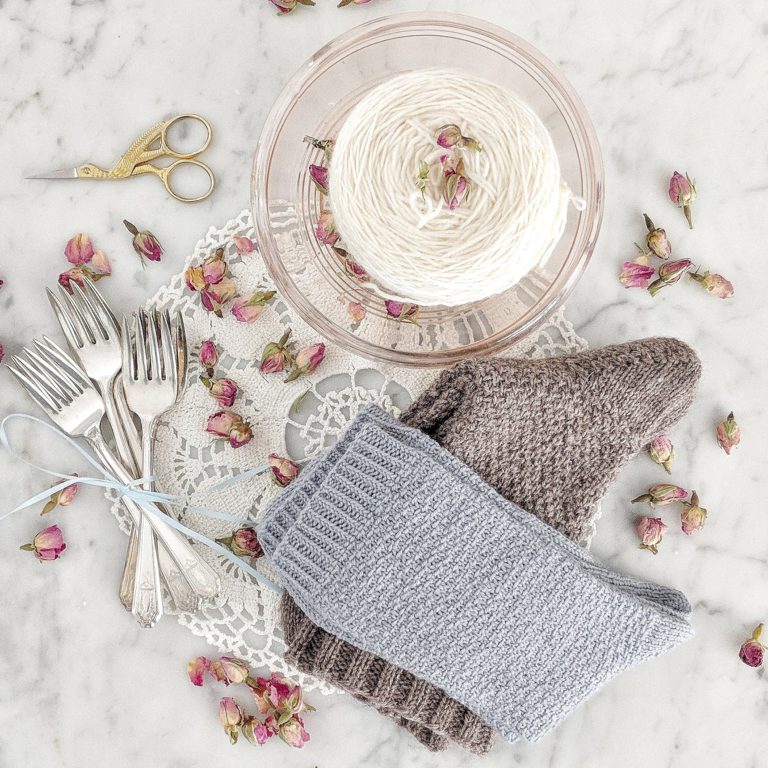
[(410, 555)]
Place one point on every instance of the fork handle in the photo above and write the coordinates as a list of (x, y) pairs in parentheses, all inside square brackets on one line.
[(127, 442)]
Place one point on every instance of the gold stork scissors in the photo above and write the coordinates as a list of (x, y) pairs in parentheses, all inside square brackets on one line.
[(152, 144)]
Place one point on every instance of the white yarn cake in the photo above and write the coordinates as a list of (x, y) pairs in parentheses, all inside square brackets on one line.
[(413, 246)]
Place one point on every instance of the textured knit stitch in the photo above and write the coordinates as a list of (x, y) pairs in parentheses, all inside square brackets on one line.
[(651, 386), (404, 551)]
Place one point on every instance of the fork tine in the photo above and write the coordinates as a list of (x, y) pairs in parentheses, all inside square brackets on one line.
[(53, 376), (103, 310), (127, 352), (76, 317), (180, 338), (89, 313), (67, 326), (141, 348), (153, 322), (55, 353), (170, 359), (44, 401)]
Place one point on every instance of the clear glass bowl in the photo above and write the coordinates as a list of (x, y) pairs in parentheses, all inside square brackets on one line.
[(286, 205)]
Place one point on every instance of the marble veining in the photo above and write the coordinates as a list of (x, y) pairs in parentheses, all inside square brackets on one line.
[(670, 85)]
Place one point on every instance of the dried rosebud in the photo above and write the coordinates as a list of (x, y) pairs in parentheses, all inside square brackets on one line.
[(448, 136), (650, 531), (230, 426), (356, 270), (276, 354), (404, 313), (144, 243), (194, 278), (48, 544), (356, 311), (196, 670), (230, 715), (224, 390), (286, 6), (343, 3), (244, 542), (284, 471), (229, 670), (661, 494), (62, 498), (306, 360), (325, 229), (209, 356), (99, 266), (255, 731), (456, 190), (243, 245), (693, 516), (714, 284), (79, 249), (656, 240), (293, 732), (637, 273), (319, 175), (728, 433), (213, 297), (214, 267), (73, 275), (661, 450), (248, 309), (751, 651), (669, 272), (682, 192)]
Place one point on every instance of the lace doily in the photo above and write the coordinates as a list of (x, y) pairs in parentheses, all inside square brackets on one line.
[(297, 419)]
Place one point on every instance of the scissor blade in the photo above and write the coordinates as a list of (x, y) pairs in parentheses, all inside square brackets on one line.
[(64, 173)]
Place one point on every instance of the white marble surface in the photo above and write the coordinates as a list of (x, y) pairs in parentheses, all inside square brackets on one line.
[(669, 85)]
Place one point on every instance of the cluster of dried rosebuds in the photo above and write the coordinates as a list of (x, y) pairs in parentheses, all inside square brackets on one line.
[(86, 261), (639, 273), (212, 281), (48, 544), (284, 7), (279, 700), (280, 355), (454, 184)]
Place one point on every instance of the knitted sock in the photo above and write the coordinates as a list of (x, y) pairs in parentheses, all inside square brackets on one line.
[(606, 393), (509, 617)]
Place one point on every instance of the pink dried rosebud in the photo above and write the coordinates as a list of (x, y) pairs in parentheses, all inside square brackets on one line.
[(243, 245), (656, 240), (356, 270), (751, 651), (79, 249), (306, 360), (637, 273), (284, 471), (214, 267), (714, 284), (448, 136), (293, 732), (325, 230), (229, 670), (404, 313), (682, 192), (73, 275), (144, 243), (661, 450), (244, 542), (356, 311), (248, 309), (228, 425), (650, 531), (209, 356), (48, 544), (693, 516), (319, 175), (230, 716), (62, 498), (213, 297), (240, 435), (196, 670), (457, 191), (224, 390), (99, 266), (276, 354), (728, 433), (255, 731), (669, 272), (194, 278), (661, 494)]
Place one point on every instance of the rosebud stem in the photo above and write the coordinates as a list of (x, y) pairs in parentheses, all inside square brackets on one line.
[(687, 212)]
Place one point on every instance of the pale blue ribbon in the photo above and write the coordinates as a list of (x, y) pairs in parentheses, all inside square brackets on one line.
[(132, 490)]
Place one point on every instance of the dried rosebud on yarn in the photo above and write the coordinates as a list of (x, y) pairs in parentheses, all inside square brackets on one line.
[(650, 531), (276, 354), (326, 229), (448, 136), (669, 272), (662, 494), (62, 498), (244, 542), (196, 669), (286, 6), (637, 273), (456, 190), (79, 249), (243, 245), (209, 355), (728, 433), (224, 390), (661, 450), (682, 192), (656, 239), (714, 284), (48, 544), (144, 243), (751, 651), (248, 309), (230, 717), (229, 426), (319, 175), (284, 471), (306, 361), (404, 313), (693, 516)]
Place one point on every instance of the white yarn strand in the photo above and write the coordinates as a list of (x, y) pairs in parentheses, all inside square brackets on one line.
[(416, 249)]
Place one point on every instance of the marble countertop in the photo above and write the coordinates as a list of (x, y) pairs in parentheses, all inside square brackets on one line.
[(670, 85)]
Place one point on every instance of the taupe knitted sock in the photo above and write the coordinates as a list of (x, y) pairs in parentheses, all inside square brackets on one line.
[(549, 435)]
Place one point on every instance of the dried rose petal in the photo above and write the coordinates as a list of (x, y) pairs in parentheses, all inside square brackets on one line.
[(728, 433), (693, 516), (682, 192), (637, 273), (196, 670), (662, 493), (243, 245), (650, 531), (661, 450), (656, 239), (714, 284), (751, 651), (79, 249)]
